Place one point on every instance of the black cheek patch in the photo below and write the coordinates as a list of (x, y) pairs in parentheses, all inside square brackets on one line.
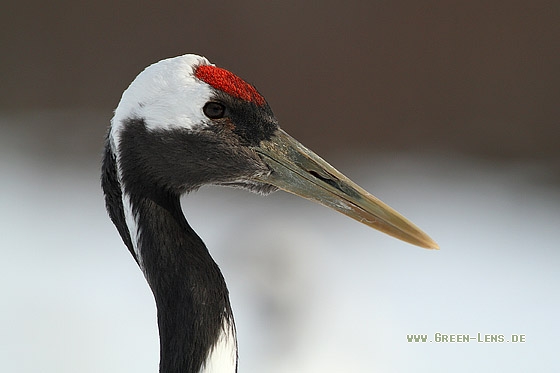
[(250, 122)]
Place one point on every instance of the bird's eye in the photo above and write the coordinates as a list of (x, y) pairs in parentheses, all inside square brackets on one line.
[(214, 110)]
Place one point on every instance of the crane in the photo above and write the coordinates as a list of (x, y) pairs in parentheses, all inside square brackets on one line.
[(184, 123)]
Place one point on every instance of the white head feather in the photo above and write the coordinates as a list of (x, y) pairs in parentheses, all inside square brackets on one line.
[(166, 95)]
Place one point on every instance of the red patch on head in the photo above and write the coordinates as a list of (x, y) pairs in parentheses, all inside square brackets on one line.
[(229, 83)]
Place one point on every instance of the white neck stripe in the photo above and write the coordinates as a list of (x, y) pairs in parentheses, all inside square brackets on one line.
[(223, 355)]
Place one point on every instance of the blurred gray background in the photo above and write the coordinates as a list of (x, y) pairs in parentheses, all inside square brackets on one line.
[(448, 111)]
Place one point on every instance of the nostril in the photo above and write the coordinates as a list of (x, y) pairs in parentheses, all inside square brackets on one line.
[(324, 179)]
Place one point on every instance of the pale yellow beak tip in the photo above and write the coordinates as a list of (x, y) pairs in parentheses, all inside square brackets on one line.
[(432, 245)]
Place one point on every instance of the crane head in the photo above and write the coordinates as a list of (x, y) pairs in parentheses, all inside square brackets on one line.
[(184, 123)]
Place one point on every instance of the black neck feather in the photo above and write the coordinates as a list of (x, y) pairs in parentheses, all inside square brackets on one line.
[(190, 292)]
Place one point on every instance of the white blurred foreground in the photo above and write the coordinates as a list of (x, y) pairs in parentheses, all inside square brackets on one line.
[(312, 290)]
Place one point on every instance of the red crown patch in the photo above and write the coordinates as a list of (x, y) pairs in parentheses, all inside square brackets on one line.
[(229, 83)]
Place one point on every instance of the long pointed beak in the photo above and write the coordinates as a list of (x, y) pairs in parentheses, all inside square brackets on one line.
[(298, 170)]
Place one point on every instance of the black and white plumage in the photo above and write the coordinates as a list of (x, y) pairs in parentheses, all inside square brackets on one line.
[(184, 123)]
